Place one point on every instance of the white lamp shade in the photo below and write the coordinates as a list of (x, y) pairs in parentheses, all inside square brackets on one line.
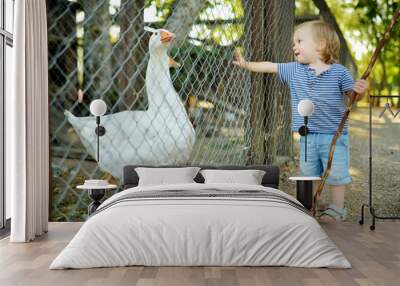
[(305, 107), (98, 107)]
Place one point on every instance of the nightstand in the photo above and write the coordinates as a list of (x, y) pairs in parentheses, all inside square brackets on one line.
[(96, 193), (304, 190)]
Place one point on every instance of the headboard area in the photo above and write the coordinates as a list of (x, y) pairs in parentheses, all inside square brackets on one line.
[(270, 179)]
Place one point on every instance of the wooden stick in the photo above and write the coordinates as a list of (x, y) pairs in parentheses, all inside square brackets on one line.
[(353, 96)]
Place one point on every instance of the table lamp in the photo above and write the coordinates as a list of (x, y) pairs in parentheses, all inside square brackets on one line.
[(98, 108)]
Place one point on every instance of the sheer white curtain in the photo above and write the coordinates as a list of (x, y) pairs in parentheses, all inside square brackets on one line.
[(27, 124)]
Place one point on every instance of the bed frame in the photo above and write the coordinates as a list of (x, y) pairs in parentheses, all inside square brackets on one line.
[(270, 179)]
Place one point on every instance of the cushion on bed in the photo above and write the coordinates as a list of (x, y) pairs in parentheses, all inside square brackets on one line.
[(270, 179), (163, 176), (248, 177)]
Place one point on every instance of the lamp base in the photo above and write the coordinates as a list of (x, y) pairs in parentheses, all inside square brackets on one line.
[(304, 190), (100, 130), (303, 130), (96, 195)]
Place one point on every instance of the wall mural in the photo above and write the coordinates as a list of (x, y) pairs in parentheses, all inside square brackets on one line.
[(203, 110)]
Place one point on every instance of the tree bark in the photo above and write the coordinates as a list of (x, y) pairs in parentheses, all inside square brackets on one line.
[(256, 153), (344, 54), (63, 78), (272, 36), (182, 19), (63, 65), (62, 54), (285, 14), (383, 80), (97, 49), (271, 39), (130, 56)]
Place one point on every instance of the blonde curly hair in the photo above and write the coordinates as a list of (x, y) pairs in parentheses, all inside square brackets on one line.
[(324, 32)]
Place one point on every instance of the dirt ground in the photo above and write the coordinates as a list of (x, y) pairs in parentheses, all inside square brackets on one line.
[(385, 166)]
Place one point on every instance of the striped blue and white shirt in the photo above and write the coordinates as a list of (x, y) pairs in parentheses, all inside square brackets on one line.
[(325, 90)]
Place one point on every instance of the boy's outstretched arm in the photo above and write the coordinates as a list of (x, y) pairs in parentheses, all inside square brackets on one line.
[(266, 67)]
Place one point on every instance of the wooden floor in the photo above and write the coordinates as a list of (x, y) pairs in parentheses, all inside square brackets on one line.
[(375, 257)]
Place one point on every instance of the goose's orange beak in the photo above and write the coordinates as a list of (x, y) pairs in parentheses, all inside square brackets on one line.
[(166, 37)]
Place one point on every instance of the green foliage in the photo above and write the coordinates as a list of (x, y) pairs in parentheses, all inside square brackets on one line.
[(195, 71), (305, 7), (374, 18)]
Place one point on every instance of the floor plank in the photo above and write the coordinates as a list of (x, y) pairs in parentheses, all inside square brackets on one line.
[(375, 257)]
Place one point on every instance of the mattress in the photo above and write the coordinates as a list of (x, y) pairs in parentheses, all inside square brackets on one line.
[(201, 225)]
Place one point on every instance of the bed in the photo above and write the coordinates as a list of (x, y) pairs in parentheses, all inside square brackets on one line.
[(201, 224)]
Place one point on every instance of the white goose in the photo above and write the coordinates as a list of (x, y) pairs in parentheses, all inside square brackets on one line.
[(161, 135)]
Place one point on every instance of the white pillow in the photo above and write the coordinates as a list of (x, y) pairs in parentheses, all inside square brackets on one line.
[(248, 177), (165, 176)]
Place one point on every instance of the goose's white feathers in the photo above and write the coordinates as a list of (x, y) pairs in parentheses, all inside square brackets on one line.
[(163, 134)]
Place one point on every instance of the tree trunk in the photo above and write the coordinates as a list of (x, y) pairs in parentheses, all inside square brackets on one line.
[(62, 54), (257, 37), (130, 56), (344, 54), (271, 39), (269, 92), (398, 82), (97, 49), (63, 80), (382, 82), (278, 44), (184, 15), (284, 14), (61, 15)]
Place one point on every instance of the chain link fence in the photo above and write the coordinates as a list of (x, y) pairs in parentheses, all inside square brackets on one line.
[(205, 111)]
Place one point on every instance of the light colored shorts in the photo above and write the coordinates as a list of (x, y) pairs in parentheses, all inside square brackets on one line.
[(318, 145)]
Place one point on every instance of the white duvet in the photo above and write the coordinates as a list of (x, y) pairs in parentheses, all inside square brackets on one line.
[(200, 231)]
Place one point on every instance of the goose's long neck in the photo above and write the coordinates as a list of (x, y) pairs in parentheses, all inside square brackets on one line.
[(160, 90)]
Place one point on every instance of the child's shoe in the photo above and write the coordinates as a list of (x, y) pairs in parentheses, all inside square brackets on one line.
[(334, 213)]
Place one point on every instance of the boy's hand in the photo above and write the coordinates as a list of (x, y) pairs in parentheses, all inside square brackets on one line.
[(360, 87), (267, 67), (239, 60)]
